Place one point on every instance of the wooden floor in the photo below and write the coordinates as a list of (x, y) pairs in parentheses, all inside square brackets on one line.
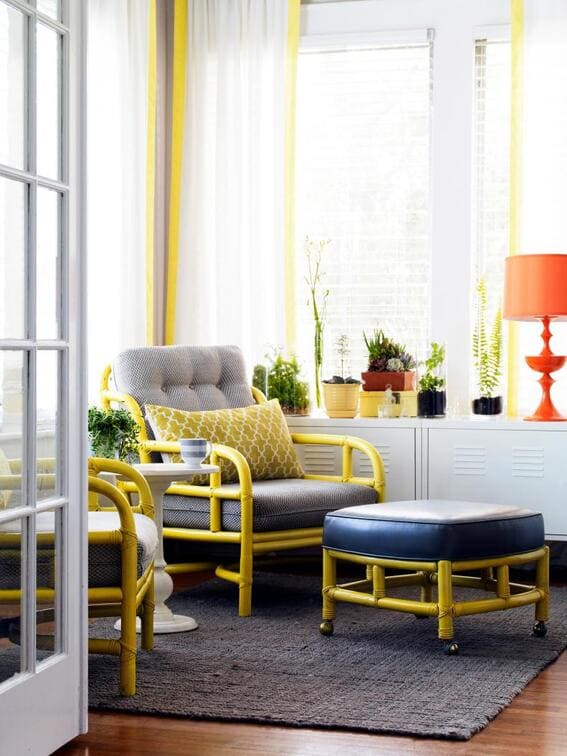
[(535, 724)]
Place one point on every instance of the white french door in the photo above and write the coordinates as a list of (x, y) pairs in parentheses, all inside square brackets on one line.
[(42, 368)]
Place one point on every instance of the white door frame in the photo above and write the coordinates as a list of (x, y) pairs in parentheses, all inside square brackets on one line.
[(46, 705)]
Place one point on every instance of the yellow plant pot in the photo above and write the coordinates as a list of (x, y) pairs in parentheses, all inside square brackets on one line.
[(341, 399)]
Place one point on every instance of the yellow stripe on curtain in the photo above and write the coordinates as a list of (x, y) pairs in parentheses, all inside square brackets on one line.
[(151, 171), (289, 176), (177, 127), (515, 185)]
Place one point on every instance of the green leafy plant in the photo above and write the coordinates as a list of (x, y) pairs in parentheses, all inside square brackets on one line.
[(112, 433), (487, 345), (285, 384), (385, 355), (342, 349), (429, 381), (317, 302), (260, 378)]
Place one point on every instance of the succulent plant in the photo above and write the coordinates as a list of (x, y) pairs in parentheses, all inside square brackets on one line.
[(385, 355)]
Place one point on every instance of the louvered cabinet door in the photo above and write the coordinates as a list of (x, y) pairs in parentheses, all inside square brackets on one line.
[(397, 447), (522, 467)]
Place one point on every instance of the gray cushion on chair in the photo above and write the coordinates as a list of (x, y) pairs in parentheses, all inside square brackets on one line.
[(278, 505), (184, 377), (104, 559)]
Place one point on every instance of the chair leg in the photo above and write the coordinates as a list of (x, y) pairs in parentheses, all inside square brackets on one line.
[(148, 607), (127, 650), (445, 600), (329, 581), (426, 589), (542, 583), (245, 578)]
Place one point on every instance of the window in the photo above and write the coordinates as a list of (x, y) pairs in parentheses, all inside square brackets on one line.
[(491, 195), (363, 157)]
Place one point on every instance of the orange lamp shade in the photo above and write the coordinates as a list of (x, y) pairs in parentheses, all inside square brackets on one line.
[(535, 286)]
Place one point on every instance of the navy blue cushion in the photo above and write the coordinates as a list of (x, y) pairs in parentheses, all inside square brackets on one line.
[(431, 530)]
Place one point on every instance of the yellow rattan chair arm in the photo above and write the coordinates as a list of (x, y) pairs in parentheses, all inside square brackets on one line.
[(100, 464), (258, 396), (348, 443), (120, 501)]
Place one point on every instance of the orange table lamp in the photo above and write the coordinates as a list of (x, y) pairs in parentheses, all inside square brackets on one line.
[(535, 288)]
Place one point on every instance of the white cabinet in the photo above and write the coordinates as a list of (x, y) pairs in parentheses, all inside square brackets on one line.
[(502, 465), (493, 460), (396, 444)]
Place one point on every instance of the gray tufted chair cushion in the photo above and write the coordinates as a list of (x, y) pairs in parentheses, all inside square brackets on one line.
[(184, 377)]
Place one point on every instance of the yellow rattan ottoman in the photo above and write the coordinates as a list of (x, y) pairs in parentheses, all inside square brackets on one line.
[(435, 540)]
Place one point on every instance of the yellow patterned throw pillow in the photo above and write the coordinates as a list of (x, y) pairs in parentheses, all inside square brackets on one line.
[(259, 432)]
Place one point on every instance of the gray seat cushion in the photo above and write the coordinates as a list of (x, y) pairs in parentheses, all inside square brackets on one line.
[(434, 529), (184, 377), (104, 559), (278, 505)]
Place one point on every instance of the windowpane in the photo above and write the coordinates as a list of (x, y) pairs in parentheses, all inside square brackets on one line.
[(492, 133), (48, 243), (12, 100), (363, 120), (48, 414), (11, 433), (48, 101), (13, 202), (11, 649)]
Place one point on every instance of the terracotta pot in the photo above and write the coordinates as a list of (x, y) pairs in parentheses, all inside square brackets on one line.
[(487, 405), (341, 399), (404, 381)]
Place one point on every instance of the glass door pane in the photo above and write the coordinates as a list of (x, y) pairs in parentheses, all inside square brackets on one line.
[(11, 604), (12, 86), (48, 101), (48, 580), (48, 263), (13, 222), (48, 428), (11, 428), (50, 8)]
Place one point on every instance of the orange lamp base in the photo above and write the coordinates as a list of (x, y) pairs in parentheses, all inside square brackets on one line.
[(546, 363)]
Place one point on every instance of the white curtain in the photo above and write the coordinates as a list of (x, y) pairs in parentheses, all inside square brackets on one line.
[(117, 126), (230, 282), (542, 156)]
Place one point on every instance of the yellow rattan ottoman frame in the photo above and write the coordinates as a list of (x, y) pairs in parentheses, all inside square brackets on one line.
[(494, 577)]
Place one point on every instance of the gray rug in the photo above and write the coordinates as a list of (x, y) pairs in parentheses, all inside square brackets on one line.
[(380, 672)]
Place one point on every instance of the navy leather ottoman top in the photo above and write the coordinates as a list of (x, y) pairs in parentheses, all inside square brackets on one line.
[(434, 529)]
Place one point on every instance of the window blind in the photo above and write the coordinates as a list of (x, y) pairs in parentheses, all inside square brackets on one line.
[(363, 175)]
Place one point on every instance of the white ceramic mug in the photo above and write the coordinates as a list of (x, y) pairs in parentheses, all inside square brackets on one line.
[(195, 450)]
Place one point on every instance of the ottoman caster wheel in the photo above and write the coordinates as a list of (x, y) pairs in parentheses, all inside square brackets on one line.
[(326, 627), (450, 648), (539, 629)]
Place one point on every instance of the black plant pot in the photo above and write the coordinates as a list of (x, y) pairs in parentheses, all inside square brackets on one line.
[(487, 405), (431, 403)]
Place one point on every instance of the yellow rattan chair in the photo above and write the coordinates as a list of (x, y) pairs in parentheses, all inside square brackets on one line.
[(249, 541), (121, 540)]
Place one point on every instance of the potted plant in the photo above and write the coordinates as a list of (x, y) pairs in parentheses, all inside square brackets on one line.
[(284, 383), (317, 302), (260, 378), (431, 397), (113, 433), (487, 355), (389, 364), (340, 393)]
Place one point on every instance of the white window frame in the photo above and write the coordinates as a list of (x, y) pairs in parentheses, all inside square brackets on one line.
[(455, 26)]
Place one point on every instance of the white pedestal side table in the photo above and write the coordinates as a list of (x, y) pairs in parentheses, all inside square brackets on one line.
[(160, 475)]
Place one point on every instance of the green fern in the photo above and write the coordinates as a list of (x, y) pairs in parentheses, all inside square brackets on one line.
[(487, 345)]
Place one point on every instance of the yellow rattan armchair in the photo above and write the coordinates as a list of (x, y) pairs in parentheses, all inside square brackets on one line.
[(132, 594), (249, 542)]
